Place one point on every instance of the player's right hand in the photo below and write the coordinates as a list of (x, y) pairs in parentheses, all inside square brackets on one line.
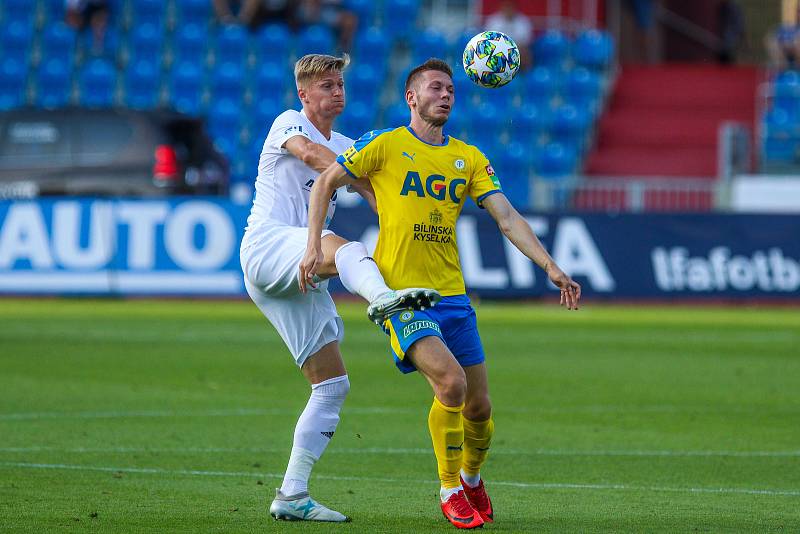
[(311, 261)]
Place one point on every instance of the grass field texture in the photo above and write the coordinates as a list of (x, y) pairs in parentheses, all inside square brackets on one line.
[(177, 416)]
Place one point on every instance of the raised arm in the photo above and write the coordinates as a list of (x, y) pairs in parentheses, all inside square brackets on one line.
[(517, 230), (314, 155), (329, 181)]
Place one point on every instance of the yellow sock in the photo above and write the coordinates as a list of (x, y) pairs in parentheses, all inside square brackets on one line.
[(477, 439), (447, 434)]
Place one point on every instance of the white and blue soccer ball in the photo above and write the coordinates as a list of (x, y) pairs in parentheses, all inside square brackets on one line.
[(491, 59)]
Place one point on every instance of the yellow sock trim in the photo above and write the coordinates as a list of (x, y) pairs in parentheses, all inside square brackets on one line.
[(447, 434), (477, 439)]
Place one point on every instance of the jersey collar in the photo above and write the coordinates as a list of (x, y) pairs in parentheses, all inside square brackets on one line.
[(444, 143)]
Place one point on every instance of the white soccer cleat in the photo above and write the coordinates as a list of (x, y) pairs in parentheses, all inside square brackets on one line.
[(413, 298), (302, 507)]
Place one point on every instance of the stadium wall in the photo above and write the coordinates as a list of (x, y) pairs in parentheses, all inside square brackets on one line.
[(189, 246)]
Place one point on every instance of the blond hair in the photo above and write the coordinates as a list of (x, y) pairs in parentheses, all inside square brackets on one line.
[(310, 67)]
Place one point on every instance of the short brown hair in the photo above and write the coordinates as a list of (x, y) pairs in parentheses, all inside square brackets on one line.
[(311, 66), (432, 64)]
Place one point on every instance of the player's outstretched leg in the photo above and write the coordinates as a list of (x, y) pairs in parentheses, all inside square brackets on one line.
[(360, 275), (302, 507)]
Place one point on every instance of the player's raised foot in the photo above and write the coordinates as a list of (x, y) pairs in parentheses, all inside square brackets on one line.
[(413, 298), (302, 507), (479, 500), (460, 513)]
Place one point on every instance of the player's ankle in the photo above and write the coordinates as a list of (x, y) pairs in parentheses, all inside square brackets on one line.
[(471, 480), (446, 493)]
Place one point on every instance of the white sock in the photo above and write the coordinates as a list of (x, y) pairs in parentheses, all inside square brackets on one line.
[(471, 480), (314, 431), (445, 493), (358, 271)]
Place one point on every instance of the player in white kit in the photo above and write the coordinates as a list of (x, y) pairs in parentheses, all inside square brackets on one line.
[(298, 147)]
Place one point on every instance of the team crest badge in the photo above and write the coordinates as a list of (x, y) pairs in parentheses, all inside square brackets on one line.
[(406, 316), (459, 164), (435, 217)]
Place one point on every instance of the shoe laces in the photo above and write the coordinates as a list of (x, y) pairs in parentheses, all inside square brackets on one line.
[(479, 497), (461, 505)]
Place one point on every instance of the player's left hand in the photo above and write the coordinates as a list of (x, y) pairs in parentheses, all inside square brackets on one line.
[(570, 290), (311, 261)]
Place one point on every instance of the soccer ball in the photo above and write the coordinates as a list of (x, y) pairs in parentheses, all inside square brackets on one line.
[(491, 59)]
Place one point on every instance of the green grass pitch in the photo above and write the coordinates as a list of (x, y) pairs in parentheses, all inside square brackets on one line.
[(177, 416)]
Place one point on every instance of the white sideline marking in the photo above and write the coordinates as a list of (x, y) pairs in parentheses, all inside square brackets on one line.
[(405, 451), (233, 412), (192, 472)]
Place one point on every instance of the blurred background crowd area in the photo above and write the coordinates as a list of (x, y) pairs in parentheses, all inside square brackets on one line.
[(620, 104)]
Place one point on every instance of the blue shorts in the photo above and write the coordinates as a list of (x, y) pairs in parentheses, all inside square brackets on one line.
[(452, 320)]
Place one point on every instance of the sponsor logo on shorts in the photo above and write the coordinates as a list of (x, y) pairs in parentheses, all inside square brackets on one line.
[(419, 325), (406, 316)]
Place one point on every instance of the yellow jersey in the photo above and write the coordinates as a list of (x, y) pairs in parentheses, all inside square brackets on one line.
[(420, 189)]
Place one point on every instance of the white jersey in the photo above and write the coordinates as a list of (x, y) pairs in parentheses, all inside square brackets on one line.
[(283, 186)]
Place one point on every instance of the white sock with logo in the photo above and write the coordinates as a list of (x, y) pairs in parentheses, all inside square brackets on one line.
[(314, 431), (446, 493), (358, 271), (471, 480)]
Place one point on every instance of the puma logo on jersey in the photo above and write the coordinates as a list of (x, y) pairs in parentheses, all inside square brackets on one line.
[(410, 156)]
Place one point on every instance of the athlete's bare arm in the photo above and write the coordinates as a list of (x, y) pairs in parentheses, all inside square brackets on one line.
[(329, 181), (517, 230), (319, 158)]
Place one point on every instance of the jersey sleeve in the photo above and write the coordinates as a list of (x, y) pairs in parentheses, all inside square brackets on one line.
[(483, 181), (288, 124), (365, 156)]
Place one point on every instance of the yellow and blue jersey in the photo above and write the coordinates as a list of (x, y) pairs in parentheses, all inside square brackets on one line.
[(420, 189)]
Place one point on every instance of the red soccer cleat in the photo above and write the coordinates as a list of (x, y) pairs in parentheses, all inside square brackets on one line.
[(479, 500), (458, 511)]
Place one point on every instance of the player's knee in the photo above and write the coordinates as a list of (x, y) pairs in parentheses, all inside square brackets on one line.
[(478, 409), (453, 388)]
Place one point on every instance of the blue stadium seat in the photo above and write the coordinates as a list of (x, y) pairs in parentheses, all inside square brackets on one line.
[(272, 41), (363, 84), (529, 123), (583, 89), (193, 12), (513, 169), (142, 82), (227, 82), (504, 97), (232, 44), (465, 90), (396, 115), (400, 17), (58, 42), (787, 92), (190, 43), (357, 119), (781, 137), (15, 38), (54, 11), (427, 44), (551, 49), (111, 43), (271, 81), (458, 43), (149, 12), (53, 84), (224, 120), (364, 9), (557, 160), (97, 83), (186, 88), (570, 125), (541, 86), (372, 47), (263, 114), (315, 39), (21, 11), (457, 125), (12, 83), (147, 40), (593, 49), (486, 127)]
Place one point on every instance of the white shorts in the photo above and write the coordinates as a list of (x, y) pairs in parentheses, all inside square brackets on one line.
[(270, 256)]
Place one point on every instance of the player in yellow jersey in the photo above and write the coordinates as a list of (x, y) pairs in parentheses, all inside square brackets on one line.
[(421, 180)]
